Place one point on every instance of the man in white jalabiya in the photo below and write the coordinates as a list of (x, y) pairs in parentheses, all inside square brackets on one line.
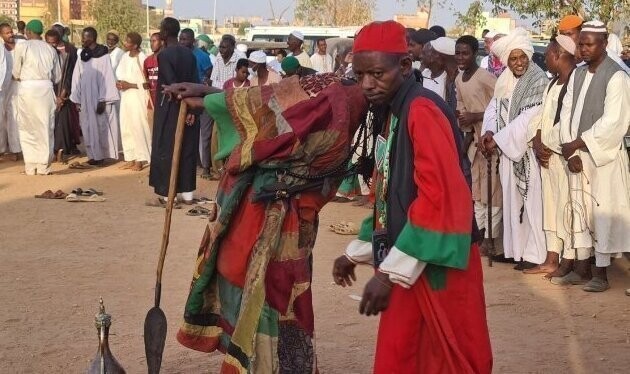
[(517, 100), (134, 100), (9, 137), (36, 68), (321, 60), (115, 52), (594, 120), (294, 43), (95, 94), (560, 60)]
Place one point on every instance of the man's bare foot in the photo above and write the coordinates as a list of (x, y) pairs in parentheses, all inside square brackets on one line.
[(565, 268), (542, 269), (127, 165), (137, 166)]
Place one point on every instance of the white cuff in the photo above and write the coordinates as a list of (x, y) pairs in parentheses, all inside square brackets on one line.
[(359, 252), (402, 268)]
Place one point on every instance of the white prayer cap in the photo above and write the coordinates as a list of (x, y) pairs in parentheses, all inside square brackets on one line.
[(241, 48), (490, 35), (444, 45), (59, 24), (258, 57), (566, 43), (298, 34), (517, 39), (594, 26)]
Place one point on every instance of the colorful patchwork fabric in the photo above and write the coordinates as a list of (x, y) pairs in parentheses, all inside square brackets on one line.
[(250, 295)]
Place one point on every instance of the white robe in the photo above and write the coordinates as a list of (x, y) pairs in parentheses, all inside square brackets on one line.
[(36, 67), (134, 123), (602, 190), (555, 184), (9, 133), (115, 56), (93, 82), (521, 240)]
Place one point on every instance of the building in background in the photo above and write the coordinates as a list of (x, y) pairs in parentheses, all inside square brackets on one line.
[(9, 9), (418, 20), (502, 23)]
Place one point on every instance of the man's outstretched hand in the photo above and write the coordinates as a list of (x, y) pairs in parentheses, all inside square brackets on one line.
[(343, 271)]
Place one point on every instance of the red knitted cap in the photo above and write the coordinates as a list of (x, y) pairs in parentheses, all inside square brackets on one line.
[(387, 36)]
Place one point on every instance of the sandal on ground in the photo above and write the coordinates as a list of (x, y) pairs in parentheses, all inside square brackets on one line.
[(340, 199), (572, 278), (349, 229), (340, 224), (198, 211), (48, 194), (160, 203), (596, 284), (74, 198), (80, 166), (60, 195)]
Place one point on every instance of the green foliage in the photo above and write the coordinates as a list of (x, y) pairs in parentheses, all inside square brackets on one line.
[(603, 10), (471, 20), (121, 15), (334, 12), (242, 27)]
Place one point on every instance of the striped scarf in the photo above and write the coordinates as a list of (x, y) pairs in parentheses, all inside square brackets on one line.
[(527, 94)]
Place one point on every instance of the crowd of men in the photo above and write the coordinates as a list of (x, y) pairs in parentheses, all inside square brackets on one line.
[(535, 159)]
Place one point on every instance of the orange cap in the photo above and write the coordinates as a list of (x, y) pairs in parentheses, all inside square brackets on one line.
[(570, 22)]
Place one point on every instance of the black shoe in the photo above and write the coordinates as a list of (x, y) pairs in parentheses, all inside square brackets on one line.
[(501, 258)]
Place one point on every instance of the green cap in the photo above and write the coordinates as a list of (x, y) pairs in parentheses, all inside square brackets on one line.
[(35, 26), (214, 50), (204, 38), (290, 64)]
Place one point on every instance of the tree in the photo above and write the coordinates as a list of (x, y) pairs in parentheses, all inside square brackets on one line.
[(603, 10), (7, 19), (473, 19), (121, 15), (242, 26), (334, 12)]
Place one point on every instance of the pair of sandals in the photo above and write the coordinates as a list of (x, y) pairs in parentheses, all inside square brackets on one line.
[(48, 194), (344, 228), (198, 211)]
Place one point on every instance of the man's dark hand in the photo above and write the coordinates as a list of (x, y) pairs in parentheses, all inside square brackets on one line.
[(575, 164), (486, 144), (343, 271), (568, 149), (376, 295), (100, 108), (467, 119), (541, 151)]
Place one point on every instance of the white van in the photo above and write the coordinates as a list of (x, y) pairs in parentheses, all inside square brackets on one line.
[(311, 34)]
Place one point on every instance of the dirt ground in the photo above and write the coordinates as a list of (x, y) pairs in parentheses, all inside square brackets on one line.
[(57, 258)]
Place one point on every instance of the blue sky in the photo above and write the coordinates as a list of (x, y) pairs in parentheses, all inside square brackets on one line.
[(385, 8)]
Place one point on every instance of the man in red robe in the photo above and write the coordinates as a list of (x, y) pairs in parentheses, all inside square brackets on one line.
[(428, 283)]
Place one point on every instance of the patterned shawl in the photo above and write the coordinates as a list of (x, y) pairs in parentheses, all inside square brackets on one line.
[(527, 93), (250, 295)]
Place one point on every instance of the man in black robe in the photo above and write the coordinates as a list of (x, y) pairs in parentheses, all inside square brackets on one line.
[(67, 133), (176, 64)]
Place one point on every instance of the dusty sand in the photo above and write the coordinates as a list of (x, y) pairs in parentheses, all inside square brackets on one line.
[(57, 258)]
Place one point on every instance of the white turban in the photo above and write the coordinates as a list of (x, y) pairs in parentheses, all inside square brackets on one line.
[(444, 45), (298, 34), (258, 57), (241, 48), (517, 39)]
